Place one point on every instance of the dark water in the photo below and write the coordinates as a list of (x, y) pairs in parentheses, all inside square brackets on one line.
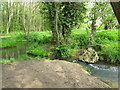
[(15, 52), (107, 73)]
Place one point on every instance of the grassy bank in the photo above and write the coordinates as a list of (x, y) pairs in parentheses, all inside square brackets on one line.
[(7, 43)]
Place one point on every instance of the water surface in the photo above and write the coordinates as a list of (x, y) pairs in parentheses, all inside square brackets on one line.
[(15, 52), (107, 73)]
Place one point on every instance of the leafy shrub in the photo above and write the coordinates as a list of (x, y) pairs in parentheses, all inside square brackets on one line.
[(7, 43), (102, 37), (41, 37), (61, 51), (108, 38), (19, 36), (81, 39), (39, 51), (111, 50)]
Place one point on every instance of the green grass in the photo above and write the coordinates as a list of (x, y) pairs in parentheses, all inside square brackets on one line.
[(21, 58), (80, 31), (4, 61), (41, 37), (33, 36), (7, 43), (39, 49)]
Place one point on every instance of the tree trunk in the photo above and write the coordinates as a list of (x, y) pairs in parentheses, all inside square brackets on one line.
[(116, 9), (93, 31), (10, 15)]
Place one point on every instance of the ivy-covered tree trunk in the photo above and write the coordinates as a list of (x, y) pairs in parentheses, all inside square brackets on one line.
[(51, 17), (93, 31), (56, 23), (63, 16), (116, 9)]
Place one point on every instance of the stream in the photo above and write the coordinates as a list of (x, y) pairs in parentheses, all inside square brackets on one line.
[(107, 73), (15, 52)]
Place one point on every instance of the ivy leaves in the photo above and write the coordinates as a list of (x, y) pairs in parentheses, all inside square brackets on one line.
[(69, 15)]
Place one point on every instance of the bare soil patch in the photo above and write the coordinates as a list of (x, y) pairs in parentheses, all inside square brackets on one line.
[(48, 74)]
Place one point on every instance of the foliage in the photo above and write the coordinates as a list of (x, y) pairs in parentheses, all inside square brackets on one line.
[(3, 61), (81, 40), (40, 37), (24, 57), (108, 17), (108, 38), (104, 36), (39, 50), (25, 16), (61, 51), (63, 16), (8, 43), (70, 14), (113, 52)]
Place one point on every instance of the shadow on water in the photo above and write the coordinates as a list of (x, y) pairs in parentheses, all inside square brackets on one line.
[(15, 52), (107, 73)]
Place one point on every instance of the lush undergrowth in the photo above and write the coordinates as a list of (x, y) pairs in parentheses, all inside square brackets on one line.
[(79, 39), (109, 40), (8, 43), (110, 51), (39, 50)]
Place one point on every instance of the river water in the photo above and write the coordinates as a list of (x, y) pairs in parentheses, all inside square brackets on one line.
[(15, 52), (107, 73)]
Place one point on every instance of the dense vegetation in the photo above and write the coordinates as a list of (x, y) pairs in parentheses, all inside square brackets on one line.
[(42, 44), (59, 30)]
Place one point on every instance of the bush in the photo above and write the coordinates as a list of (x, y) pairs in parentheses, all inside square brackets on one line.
[(107, 38), (40, 37), (108, 35), (111, 51), (8, 43), (39, 50), (82, 40), (61, 51)]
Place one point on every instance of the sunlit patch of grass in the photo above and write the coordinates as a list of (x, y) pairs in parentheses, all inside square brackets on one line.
[(5, 61)]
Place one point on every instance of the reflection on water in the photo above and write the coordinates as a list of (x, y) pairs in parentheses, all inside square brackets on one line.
[(107, 73), (15, 52)]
